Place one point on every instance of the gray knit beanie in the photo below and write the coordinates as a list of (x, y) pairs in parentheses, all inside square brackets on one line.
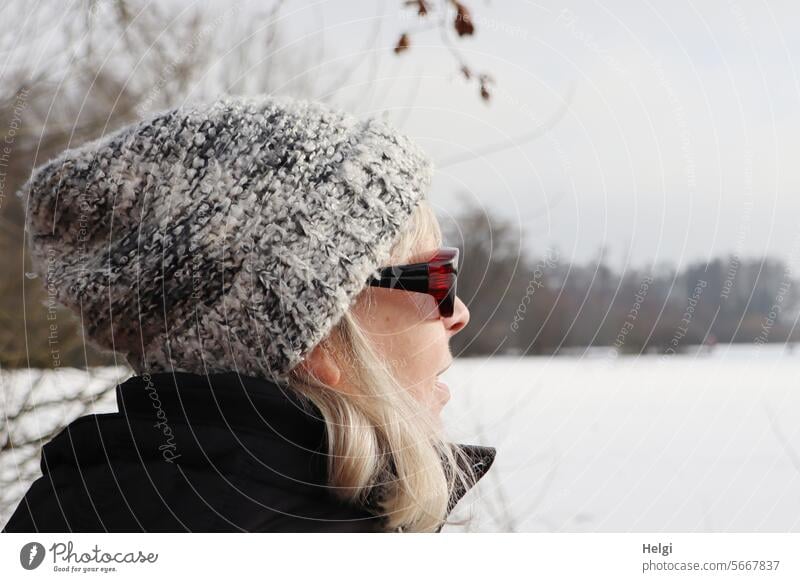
[(225, 237)]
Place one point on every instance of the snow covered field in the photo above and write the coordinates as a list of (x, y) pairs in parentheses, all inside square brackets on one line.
[(699, 442)]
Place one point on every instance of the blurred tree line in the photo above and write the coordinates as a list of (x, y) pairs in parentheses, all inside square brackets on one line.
[(539, 303)]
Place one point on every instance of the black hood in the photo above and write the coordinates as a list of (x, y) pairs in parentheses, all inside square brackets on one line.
[(189, 452)]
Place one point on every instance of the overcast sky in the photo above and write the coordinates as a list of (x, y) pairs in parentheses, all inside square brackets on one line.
[(681, 137)]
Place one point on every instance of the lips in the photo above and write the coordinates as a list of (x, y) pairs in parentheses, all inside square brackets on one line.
[(442, 388)]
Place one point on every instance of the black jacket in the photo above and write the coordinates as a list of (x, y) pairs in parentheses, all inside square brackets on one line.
[(191, 452)]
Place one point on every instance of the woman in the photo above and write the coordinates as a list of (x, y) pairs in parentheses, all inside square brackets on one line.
[(271, 271)]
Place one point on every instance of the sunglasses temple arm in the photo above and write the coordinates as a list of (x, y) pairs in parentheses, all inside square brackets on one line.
[(409, 278)]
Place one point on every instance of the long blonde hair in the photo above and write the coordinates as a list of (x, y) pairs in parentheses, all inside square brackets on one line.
[(381, 443)]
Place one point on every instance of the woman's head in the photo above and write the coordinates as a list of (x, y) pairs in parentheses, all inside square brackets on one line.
[(223, 236), (239, 236)]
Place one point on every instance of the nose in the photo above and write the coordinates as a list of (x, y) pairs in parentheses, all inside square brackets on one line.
[(459, 319)]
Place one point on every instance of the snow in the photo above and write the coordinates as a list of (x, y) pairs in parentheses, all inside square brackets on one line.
[(700, 442)]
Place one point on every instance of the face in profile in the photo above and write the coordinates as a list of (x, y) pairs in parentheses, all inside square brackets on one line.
[(408, 331)]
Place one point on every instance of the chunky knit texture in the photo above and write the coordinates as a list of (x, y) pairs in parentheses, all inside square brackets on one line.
[(231, 236)]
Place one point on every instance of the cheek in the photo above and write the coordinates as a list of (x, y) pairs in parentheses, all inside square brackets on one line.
[(405, 330), (423, 306)]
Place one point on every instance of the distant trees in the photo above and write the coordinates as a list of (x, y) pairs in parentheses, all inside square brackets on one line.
[(540, 304)]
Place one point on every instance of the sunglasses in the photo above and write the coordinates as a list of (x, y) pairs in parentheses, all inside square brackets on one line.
[(436, 277)]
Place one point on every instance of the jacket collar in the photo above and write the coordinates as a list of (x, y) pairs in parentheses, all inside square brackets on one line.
[(252, 404)]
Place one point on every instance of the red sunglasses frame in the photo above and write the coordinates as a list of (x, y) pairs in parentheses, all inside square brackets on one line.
[(437, 277)]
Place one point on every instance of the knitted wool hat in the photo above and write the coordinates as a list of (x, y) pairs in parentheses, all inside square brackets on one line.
[(232, 236)]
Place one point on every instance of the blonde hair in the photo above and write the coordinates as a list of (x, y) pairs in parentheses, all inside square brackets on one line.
[(382, 445)]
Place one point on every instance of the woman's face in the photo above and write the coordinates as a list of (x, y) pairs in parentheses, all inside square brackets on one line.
[(407, 330)]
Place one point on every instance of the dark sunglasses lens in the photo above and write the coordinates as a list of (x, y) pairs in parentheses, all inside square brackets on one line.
[(442, 280), (448, 302)]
